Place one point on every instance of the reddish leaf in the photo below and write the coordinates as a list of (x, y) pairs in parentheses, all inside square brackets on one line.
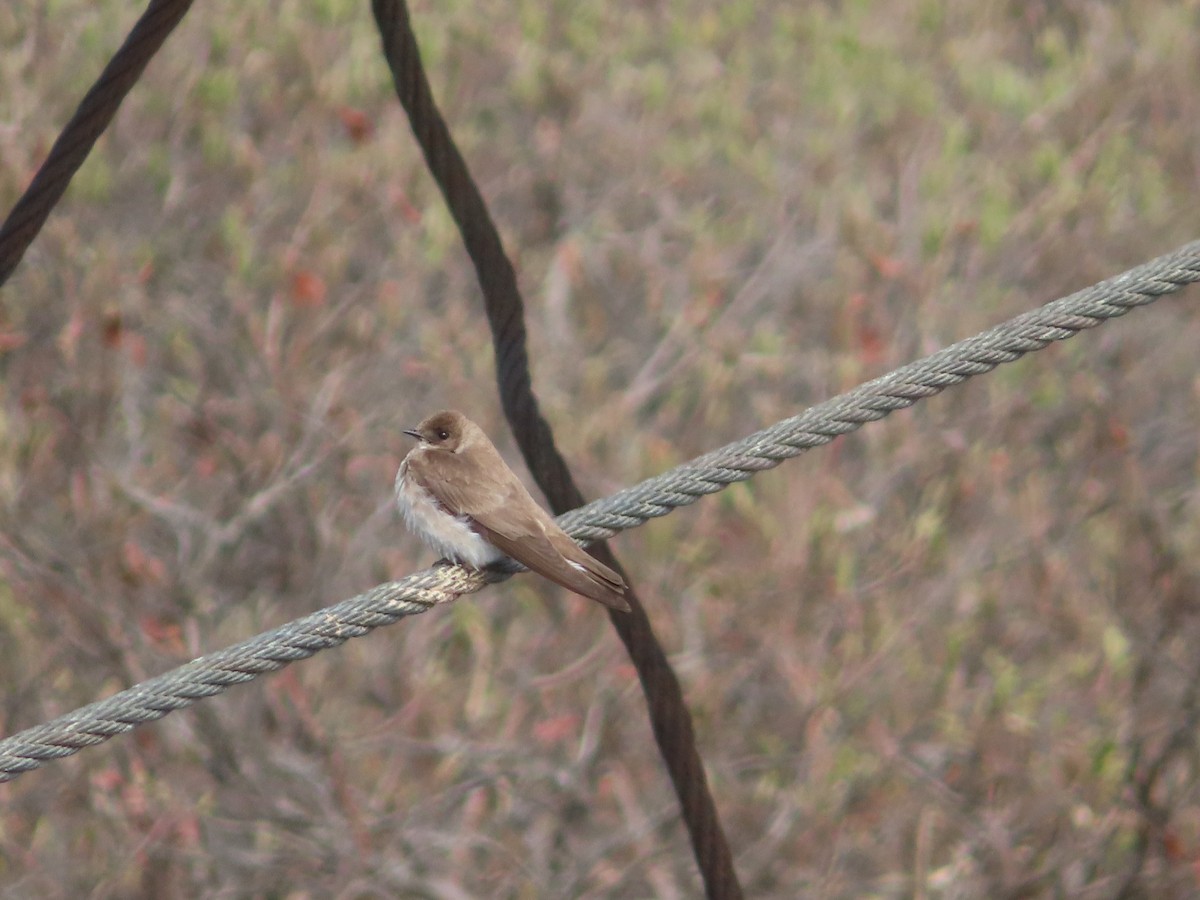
[(359, 128), (558, 728), (308, 290), (141, 566), (11, 340), (408, 212), (112, 329), (888, 266), (206, 465), (1173, 846), (1118, 434), (167, 635)]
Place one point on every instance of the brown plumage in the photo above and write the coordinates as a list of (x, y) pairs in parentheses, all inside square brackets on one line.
[(459, 495)]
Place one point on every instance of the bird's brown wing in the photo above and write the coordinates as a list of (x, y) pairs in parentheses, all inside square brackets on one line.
[(579, 572), (569, 566), (504, 513)]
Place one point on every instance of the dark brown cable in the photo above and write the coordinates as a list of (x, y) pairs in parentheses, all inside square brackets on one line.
[(669, 716), (75, 142)]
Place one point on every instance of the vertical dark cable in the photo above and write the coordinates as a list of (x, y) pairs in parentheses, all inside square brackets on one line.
[(669, 716)]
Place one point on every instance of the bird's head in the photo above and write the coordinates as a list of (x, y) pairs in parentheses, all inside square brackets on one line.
[(448, 430)]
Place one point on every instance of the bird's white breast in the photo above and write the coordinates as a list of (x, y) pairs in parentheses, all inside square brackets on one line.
[(449, 535)]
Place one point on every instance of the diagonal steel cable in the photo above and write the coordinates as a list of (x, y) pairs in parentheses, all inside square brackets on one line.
[(657, 496)]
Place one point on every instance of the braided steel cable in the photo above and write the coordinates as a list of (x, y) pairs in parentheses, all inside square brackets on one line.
[(899, 389), (657, 496)]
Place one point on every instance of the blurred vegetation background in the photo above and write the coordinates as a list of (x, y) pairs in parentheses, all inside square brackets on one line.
[(952, 655)]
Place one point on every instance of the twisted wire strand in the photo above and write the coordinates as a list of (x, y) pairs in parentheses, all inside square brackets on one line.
[(211, 674), (873, 400), (657, 496)]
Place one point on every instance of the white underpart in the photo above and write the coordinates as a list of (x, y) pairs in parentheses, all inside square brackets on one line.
[(448, 535)]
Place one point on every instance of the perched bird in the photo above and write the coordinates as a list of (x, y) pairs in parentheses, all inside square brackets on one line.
[(457, 493)]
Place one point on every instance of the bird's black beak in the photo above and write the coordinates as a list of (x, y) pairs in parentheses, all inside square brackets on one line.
[(412, 432)]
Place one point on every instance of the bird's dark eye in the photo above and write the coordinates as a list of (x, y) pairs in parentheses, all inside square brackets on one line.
[(442, 434)]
